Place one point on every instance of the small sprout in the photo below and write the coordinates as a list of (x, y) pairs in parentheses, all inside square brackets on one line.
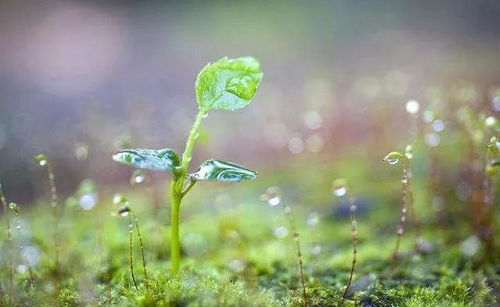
[(393, 157), (228, 84), (14, 207), (41, 159)]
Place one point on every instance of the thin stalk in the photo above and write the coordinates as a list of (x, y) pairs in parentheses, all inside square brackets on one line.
[(354, 231), (9, 241), (411, 204), (296, 239), (404, 211), (176, 192), (21, 249), (53, 205), (131, 252), (136, 223)]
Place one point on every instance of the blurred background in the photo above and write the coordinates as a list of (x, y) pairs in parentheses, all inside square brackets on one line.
[(81, 79)]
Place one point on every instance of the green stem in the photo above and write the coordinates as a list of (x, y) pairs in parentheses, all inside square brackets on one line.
[(177, 194)]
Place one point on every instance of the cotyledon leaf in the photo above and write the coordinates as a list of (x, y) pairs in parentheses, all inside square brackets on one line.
[(228, 84), (225, 171), (161, 159)]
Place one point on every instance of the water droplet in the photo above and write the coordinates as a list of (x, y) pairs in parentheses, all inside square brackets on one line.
[(316, 249), (41, 159), (138, 176), (296, 145), (273, 196), (119, 199), (339, 187), (438, 125), (496, 103), (490, 121), (205, 115), (124, 211), (287, 209), (403, 219), (314, 143), (81, 151), (14, 207), (404, 179), (31, 254), (409, 152), (88, 201), (22, 268), (313, 219), (412, 107), (313, 120), (393, 158), (470, 246), (194, 244), (400, 231), (432, 139), (404, 210), (428, 116), (236, 265), (280, 232)]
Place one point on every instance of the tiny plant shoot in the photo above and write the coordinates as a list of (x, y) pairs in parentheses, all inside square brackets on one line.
[(407, 200), (228, 84), (124, 210), (44, 161), (340, 190)]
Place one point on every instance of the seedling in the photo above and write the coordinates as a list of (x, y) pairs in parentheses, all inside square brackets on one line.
[(15, 208), (274, 197), (125, 211), (407, 200), (228, 84), (340, 189), (44, 161)]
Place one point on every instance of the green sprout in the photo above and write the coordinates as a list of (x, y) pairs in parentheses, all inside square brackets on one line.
[(407, 201), (43, 161), (228, 84), (124, 210)]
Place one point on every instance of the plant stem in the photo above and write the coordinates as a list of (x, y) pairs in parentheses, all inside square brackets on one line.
[(176, 192), (139, 236), (288, 212), (53, 204), (9, 242), (352, 214), (131, 252)]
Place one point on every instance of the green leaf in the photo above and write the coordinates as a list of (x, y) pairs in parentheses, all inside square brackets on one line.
[(228, 84), (217, 170), (161, 159)]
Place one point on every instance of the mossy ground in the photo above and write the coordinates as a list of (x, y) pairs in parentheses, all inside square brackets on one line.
[(232, 258)]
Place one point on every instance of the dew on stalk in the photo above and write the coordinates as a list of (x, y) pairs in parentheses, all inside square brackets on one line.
[(280, 232), (339, 187)]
